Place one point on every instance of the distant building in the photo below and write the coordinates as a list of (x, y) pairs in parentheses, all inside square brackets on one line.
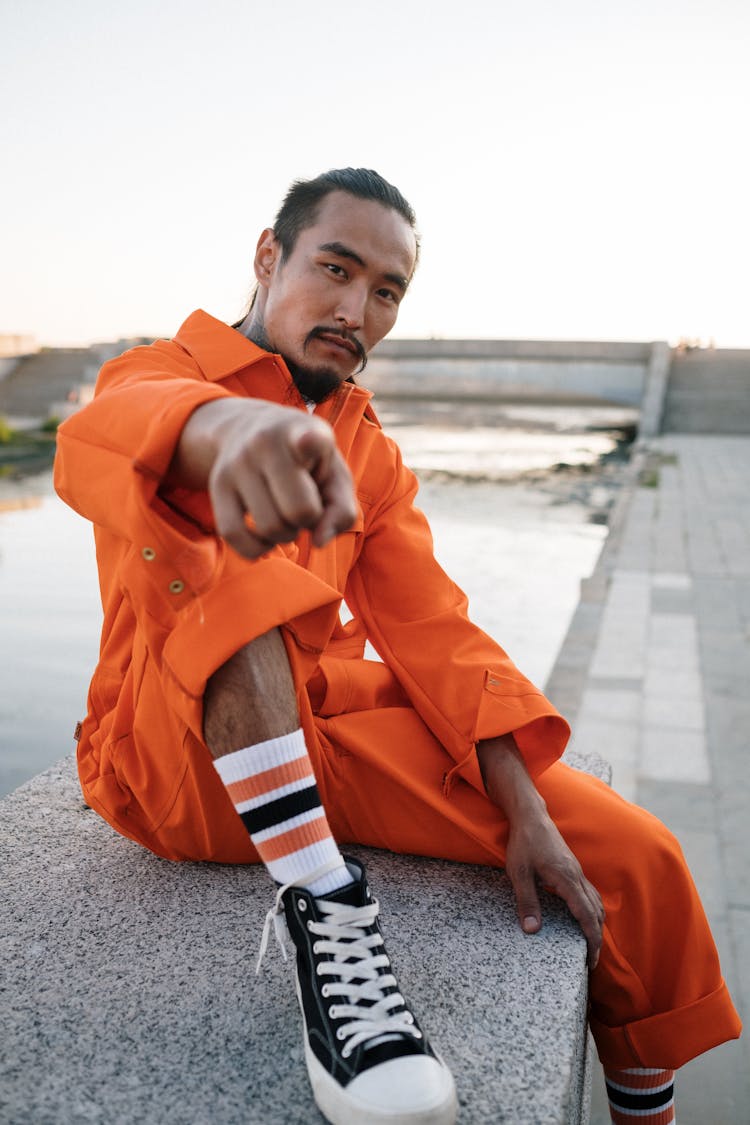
[(17, 343)]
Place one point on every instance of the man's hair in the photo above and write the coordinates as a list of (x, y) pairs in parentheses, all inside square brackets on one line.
[(302, 202)]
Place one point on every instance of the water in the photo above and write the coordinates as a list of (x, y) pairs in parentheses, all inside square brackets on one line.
[(519, 549), (501, 442), (50, 615)]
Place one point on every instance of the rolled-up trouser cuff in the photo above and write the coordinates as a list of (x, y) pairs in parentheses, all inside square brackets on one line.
[(670, 1039), (269, 593)]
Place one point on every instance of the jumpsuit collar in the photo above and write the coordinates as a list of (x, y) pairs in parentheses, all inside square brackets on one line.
[(221, 351)]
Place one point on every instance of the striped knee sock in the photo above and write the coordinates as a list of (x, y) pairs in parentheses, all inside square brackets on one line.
[(272, 787), (641, 1097)]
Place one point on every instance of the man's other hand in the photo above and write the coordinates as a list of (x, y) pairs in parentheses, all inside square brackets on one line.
[(536, 852), (274, 464)]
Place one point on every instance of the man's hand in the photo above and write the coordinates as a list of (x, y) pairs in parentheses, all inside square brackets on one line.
[(273, 463), (536, 851)]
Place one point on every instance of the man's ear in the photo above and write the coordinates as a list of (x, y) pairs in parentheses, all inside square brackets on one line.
[(267, 255)]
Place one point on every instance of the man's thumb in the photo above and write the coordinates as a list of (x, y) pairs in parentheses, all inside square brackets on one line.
[(527, 899)]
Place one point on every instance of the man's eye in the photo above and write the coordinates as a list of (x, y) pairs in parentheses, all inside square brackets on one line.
[(388, 294), (338, 271)]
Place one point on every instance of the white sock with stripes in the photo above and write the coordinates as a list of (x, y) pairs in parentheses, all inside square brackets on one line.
[(640, 1096), (272, 787)]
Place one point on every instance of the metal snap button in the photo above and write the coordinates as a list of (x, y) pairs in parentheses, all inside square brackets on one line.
[(176, 586), (149, 554)]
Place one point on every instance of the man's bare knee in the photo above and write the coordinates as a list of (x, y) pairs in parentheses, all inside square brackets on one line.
[(251, 698)]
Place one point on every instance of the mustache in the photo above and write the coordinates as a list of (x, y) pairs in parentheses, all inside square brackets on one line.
[(343, 334)]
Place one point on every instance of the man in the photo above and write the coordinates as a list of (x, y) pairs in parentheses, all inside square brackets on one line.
[(240, 487)]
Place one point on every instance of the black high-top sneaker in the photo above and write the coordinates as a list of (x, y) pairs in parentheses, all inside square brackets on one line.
[(368, 1060)]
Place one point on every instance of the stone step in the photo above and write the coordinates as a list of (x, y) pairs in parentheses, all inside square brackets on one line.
[(707, 393), (39, 381)]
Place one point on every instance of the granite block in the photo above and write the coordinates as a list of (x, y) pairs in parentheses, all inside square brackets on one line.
[(130, 993)]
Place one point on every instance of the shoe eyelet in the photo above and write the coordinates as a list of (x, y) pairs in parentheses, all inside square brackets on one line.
[(310, 924), (302, 904)]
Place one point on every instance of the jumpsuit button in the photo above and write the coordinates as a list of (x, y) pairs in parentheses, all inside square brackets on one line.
[(149, 554), (176, 587)]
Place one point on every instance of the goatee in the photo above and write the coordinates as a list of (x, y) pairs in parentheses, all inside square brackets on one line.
[(315, 384)]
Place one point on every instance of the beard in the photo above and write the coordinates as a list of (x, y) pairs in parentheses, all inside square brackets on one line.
[(315, 384)]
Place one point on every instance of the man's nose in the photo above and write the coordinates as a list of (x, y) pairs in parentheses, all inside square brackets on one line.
[(351, 308)]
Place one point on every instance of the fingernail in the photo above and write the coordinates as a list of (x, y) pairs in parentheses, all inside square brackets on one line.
[(529, 923)]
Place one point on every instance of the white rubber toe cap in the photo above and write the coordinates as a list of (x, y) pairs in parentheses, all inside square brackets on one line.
[(413, 1090)]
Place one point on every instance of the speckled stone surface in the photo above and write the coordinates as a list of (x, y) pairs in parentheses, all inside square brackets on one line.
[(129, 992)]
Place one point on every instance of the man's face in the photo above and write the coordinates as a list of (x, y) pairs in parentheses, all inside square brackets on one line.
[(338, 292)]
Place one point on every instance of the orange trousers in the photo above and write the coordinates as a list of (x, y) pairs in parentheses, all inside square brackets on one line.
[(657, 994)]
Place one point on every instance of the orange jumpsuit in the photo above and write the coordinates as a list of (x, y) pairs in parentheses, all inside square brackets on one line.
[(392, 743)]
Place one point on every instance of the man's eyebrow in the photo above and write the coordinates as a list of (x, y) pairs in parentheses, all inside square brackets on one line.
[(342, 251)]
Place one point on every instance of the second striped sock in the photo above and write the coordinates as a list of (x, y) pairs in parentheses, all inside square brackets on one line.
[(641, 1096)]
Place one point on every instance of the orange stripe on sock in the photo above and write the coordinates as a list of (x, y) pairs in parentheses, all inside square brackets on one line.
[(295, 839), (267, 780), (640, 1081)]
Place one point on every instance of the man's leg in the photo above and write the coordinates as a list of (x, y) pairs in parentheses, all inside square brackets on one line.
[(657, 995), (643, 1094), (251, 726), (367, 1058)]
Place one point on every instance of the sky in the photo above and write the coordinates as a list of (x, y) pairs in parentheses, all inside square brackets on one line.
[(580, 170)]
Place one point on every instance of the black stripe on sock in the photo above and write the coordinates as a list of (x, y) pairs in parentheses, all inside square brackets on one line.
[(640, 1099), (284, 808)]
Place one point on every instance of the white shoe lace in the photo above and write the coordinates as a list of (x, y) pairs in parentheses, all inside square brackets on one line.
[(276, 919), (354, 962), (353, 968)]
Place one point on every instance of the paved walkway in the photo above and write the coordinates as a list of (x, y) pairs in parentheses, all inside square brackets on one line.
[(655, 674)]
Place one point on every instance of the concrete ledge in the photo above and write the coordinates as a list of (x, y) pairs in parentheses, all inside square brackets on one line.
[(609, 351), (130, 995), (514, 370)]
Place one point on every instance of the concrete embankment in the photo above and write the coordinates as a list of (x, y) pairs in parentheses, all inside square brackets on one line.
[(698, 390), (583, 371)]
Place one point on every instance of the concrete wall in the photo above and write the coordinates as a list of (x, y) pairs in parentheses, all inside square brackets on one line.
[(705, 390), (512, 369)]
